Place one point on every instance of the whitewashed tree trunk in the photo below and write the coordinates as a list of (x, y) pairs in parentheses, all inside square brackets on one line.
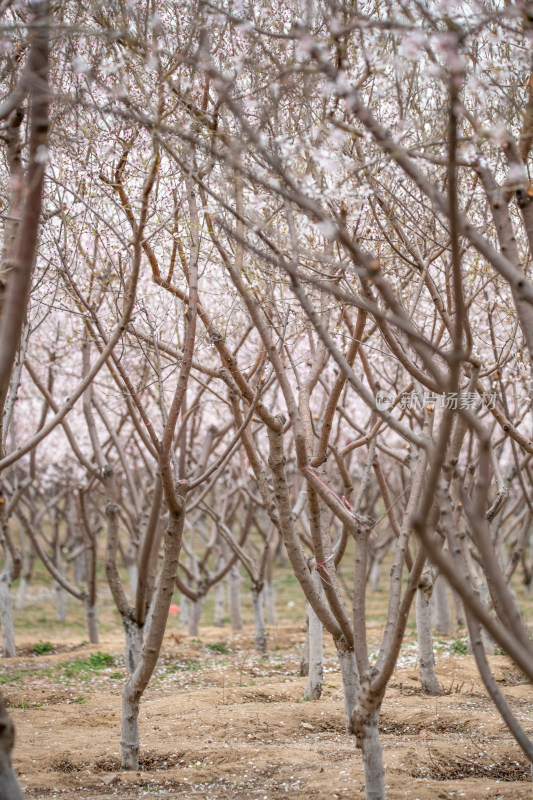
[(350, 682), (195, 614), (304, 663), (315, 675), (28, 558), (426, 659), (185, 608), (375, 574), (22, 593), (259, 620), (234, 596), (133, 644), (137, 683), (488, 641), (373, 760), (460, 620), (269, 594), (6, 614), (61, 603), (443, 619), (220, 605), (9, 785), (91, 611), (133, 573)]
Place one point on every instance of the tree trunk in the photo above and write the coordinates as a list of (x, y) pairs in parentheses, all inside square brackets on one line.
[(194, 615), (459, 610), (185, 610), (315, 675), (259, 620), (61, 603), (488, 641), (304, 663), (234, 591), (372, 758), (9, 786), (134, 689), (79, 570), (133, 572), (91, 612), (133, 646), (6, 615), (375, 574), (350, 681), (269, 593), (21, 593), (443, 619), (220, 605), (426, 660)]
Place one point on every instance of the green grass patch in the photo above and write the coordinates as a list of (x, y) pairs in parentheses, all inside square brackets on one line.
[(218, 647), (42, 648), (82, 667), (459, 647)]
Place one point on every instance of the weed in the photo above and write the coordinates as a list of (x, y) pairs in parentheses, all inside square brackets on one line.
[(41, 648), (81, 666), (459, 647), (13, 678), (218, 647)]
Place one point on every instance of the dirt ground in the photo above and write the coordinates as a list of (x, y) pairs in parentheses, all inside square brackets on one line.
[(219, 721)]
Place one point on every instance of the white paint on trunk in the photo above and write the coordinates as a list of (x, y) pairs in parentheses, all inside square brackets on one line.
[(6, 616), (443, 617), (350, 683), (304, 663), (91, 612), (234, 596), (22, 593), (315, 674), (373, 760), (269, 593), (61, 603), (375, 574), (426, 659), (133, 645), (133, 573), (185, 607), (129, 741), (195, 614), (220, 605), (259, 620)]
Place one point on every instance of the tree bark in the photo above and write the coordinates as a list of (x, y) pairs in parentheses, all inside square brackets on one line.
[(350, 681), (304, 663), (259, 620), (9, 785), (315, 674), (91, 611), (269, 594), (6, 614), (220, 605), (138, 682), (426, 659), (443, 620), (373, 759), (133, 644), (234, 596), (194, 615)]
